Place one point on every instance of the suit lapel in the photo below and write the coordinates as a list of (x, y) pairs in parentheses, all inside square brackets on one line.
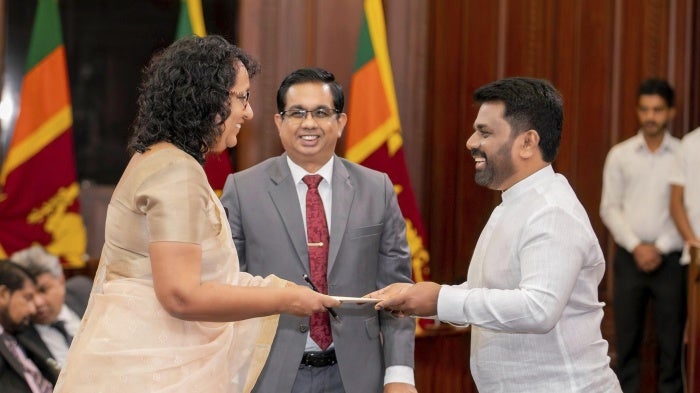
[(37, 351), (284, 196), (343, 194)]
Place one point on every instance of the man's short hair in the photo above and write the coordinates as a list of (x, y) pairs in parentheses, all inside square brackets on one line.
[(530, 104), (311, 75), (659, 87)]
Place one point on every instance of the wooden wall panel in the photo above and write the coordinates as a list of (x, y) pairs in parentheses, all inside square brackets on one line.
[(456, 211), (582, 76), (442, 362), (694, 68)]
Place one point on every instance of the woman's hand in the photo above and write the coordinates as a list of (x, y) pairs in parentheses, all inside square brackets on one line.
[(302, 301)]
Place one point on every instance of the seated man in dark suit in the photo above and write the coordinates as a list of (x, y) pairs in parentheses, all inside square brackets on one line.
[(57, 319), (19, 371)]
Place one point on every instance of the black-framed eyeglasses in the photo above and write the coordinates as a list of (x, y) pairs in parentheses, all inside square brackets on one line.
[(242, 97), (298, 115)]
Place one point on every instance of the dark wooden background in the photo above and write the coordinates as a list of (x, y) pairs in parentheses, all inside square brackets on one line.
[(595, 51)]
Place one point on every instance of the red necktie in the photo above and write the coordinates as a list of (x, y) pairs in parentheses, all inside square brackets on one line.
[(317, 235)]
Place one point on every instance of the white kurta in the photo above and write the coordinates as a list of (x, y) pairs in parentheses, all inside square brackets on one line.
[(531, 295)]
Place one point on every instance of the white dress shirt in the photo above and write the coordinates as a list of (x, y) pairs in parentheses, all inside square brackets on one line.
[(636, 194), (54, 340), (531, 295), (686, 173), (403, 374)]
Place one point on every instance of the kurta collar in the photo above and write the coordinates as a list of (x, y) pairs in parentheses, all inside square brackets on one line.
[(527, 183)]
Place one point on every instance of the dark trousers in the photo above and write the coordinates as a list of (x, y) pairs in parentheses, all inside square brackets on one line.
[(634, 289)]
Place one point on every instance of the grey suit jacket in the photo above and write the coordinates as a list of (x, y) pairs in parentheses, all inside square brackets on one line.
[(368, 250)]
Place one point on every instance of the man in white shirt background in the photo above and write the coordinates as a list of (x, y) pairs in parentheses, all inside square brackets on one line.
[(531, 294), (685, 191), (635, 208), (57, 319)]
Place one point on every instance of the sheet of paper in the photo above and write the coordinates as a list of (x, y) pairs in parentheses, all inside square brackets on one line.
[(357, 300)]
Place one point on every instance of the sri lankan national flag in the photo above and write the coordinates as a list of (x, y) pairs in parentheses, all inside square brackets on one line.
[(373, 136), (38, 187), (191, 21)]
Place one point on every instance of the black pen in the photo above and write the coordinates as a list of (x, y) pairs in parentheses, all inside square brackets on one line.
[(330, 310)]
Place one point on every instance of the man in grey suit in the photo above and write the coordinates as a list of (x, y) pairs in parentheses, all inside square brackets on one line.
[(57, 318), (370, 351)]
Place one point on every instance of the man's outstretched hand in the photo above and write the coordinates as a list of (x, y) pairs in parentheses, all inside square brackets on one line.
[(403, 299)]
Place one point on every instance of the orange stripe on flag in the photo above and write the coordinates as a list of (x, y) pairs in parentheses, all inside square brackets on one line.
[(377, 125), (36, 141), (368, 81), (44, 94)]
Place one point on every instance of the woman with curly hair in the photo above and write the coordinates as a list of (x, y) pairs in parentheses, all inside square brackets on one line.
[(170, 311)]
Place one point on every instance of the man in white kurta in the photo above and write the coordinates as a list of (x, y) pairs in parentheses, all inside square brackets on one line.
[(531, 294)]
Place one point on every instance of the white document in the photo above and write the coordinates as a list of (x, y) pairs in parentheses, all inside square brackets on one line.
[(357, 300)]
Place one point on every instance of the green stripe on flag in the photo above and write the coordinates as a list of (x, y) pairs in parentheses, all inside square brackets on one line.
[(365, 52), (46, 33), (184, 27)]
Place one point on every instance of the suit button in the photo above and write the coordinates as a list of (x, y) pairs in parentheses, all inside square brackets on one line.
[(303, 328)]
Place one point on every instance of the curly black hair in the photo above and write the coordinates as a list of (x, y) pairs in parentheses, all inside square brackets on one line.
[(184, 98)]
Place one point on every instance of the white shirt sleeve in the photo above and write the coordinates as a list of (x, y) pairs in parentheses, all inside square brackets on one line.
[(611, 202), (400, 374), (551, 257)]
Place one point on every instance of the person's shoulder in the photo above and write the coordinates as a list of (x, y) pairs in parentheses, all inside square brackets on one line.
[(625, 147), (171, 159), (29, 337), (631, 142), (79, 284), (673, 139), (693, 137), (260, 177)]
